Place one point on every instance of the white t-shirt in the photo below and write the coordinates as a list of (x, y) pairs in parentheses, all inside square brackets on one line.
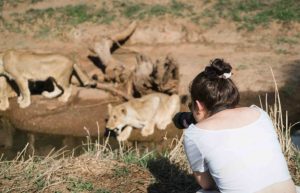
[(241, 160)]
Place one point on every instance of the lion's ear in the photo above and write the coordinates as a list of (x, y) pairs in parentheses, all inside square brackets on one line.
[(124, 111), (109, 107)]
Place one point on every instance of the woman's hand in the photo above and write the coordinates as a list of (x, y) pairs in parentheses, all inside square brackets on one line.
[(205, 180)]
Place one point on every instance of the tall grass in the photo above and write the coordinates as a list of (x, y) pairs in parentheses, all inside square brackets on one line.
[(283, 128)]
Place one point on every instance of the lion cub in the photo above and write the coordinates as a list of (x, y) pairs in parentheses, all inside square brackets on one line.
[(22, 66), (143, 113)]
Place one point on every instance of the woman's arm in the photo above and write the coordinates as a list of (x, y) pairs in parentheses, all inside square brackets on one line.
[(205, 180)]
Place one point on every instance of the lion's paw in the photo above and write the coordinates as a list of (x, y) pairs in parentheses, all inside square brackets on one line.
[(163, 125), (146, 132), (63, 99), (124, 135), (4, 107), (46, 94), (20, 98), (23, 104)]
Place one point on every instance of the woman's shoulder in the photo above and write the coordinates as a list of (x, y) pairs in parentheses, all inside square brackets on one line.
[(252, 111), (232, 118)]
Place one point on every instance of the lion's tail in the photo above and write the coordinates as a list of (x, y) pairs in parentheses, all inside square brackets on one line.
[(86, 81)]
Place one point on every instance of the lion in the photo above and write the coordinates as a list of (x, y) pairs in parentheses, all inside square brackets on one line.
[(6, 92), (156, 109), (22, 66)]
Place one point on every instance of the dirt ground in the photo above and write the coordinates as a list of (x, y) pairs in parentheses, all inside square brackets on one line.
[(251, 53)]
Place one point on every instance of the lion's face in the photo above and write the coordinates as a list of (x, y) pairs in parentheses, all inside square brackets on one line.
[(117, 117)]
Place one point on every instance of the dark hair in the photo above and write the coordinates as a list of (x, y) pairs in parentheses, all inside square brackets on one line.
[(213, 88)]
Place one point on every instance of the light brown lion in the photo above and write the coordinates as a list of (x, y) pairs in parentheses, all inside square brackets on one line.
[(145, 113), (22, 66)]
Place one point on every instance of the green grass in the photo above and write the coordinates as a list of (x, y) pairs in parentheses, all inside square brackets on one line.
[(120, 171), (77, 185), (36, 1), (178, 7), (247, 14), (157, 10), (77, 14), (13, 3), (102, 190), (142, 160), (287, 40), (32, 15), (1, 4), (282, 51), (44, 32), (40, 184), (142, 11), (104, 16), (131, 11), (250, 13)]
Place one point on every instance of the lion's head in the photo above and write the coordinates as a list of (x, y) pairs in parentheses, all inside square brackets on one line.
[(117, 118)]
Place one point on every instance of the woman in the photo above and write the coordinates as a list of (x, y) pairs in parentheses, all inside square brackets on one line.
[(232, 149)]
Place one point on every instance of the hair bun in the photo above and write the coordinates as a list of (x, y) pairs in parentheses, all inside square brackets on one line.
[(220, 66)]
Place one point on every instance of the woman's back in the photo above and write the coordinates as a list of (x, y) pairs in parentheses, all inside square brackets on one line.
[(230, 119), (241, 150)]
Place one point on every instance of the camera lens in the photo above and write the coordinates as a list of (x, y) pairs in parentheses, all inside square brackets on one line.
[(182, 120)]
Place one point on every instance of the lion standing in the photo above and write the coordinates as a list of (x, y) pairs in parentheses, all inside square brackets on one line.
[(22, 66)]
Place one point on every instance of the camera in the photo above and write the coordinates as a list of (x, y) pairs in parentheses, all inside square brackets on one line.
[(182, 120)]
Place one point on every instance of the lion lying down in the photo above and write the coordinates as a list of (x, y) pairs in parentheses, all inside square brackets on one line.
[(22, 66), (145, 113)]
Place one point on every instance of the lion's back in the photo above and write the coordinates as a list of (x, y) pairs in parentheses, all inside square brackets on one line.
[(161, 102), (36, 65)]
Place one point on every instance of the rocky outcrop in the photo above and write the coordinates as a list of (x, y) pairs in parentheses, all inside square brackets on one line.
[(85, 114)]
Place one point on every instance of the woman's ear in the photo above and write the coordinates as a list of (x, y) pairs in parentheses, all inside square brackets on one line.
[(200, 111), (199, 106)]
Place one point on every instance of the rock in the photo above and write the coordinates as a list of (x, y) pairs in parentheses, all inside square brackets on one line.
[(79, 117), (6, 133), (85, 108), (91, 94)]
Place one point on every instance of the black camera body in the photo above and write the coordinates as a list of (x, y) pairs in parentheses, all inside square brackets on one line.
[(182, 120)]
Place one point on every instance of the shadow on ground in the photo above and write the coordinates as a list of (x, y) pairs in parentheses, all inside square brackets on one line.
[(169, 178)]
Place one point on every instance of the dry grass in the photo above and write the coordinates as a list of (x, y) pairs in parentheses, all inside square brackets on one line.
[(97, 170), (283, 128)]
